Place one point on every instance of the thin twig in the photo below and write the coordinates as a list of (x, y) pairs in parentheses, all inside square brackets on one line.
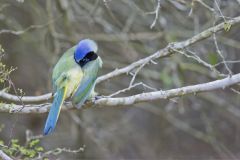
[(131, 87), (231, 62), (135, 74), (218, 7), (156, 12), (205, 5), (220, 54), (19, 32)]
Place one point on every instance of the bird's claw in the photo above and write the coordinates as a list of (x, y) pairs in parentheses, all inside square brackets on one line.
[(99, 97)]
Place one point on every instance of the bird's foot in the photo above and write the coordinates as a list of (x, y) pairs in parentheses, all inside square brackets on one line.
[(99, 97)]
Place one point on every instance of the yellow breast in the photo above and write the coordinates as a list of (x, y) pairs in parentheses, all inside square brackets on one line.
[(74, 78)]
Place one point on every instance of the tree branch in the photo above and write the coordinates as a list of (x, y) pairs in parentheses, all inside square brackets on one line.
[(25, 99), (167, 51), (4, 156), (156, 95), (19, 32), (144, 97)]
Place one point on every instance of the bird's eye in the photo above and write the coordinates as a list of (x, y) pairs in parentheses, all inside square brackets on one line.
[(91, 56), (85, 59)]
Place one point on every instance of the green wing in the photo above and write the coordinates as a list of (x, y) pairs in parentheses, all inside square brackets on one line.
[(65, 63), (84, 90), (87, 83)]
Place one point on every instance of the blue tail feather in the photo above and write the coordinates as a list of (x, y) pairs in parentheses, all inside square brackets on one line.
[(54, 111)]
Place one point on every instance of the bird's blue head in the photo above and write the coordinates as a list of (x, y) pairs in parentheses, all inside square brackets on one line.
[(85, 52)]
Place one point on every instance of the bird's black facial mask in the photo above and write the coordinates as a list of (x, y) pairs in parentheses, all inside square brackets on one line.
[(91, 56)]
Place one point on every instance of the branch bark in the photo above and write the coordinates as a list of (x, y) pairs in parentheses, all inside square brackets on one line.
[(4, 156), (156, 95), (144, 97), (167, 51)]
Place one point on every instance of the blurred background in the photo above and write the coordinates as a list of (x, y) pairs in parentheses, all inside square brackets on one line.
[(202, 126)]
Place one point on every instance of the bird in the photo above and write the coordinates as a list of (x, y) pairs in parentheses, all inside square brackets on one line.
[(74, 76)]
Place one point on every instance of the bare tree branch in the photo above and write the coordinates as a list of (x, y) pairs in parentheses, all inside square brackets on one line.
[(19, 32), (144, 97), (156, 12), (4, 156), (167, 51), (151, 96), (25, 99), (170, 49)]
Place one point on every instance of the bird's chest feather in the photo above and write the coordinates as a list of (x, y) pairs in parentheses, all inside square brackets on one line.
[(70, 79)]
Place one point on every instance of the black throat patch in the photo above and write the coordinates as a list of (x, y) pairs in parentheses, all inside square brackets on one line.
[(89, 57)]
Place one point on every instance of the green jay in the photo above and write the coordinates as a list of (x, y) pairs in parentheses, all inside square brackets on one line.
[(73, 77)]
